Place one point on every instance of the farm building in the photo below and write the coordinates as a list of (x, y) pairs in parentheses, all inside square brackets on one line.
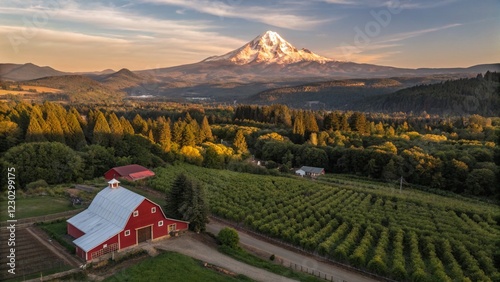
[(310, 171), (116, 219), (129, 172)]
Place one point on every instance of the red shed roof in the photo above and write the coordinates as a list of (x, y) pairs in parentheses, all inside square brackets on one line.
[(130, 172)]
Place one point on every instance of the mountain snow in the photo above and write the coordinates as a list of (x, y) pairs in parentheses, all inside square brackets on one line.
[(269, 48)]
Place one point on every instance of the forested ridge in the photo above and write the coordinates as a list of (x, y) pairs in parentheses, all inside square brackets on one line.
[(457, 154), (480, 95)]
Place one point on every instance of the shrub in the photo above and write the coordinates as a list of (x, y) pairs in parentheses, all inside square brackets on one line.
[(40, 183), (228, 237)]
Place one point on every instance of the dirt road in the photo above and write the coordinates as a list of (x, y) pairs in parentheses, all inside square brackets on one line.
[(338, 273), (198, 250)]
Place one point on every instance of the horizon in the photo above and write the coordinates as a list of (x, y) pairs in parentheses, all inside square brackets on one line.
[(165, 33)]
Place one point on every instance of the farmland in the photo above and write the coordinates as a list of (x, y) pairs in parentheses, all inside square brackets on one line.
[(408, 235)]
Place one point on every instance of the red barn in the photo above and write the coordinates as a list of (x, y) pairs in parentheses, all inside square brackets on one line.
[(130, 172), (116, 219)]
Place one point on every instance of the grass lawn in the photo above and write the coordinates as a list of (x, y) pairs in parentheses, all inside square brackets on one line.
[(57, 231), (37, 206), (171, 266), (250, 259)]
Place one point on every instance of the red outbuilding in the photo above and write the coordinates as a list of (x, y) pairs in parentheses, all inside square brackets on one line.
[(130, 172), (116, 219)]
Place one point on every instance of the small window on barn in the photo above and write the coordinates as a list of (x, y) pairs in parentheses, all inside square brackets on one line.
[(160, 223), (136, 213), (171, 227), (153, 210), (127, 232), (104, 246)]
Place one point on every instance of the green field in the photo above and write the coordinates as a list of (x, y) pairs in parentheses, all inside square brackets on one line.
[(172, 267), (408, 235), (37, 206)]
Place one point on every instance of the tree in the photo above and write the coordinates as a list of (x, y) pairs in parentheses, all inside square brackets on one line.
[(299, 127), (52, 161), (35, 131), (481, 182), (205, 131), (165, 135), (187, 201), (228, 237), (52, 129), (98, 160), (126, 126), (115, 127), (311, 125), (177, 131), (102, 132), (173, 198), (140, 125), (239, 143), (75, 137)]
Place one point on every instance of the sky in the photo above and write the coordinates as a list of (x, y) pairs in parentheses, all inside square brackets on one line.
[(90, 35)]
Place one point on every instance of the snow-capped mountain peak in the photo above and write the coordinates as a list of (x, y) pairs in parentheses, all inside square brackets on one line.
[(268, 48)]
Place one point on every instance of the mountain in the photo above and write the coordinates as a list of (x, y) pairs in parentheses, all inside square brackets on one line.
[(29, 71), (79, 88), (268, 48), (270, 58), (120, 80)]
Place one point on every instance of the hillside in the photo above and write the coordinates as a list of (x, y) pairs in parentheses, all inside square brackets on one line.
[(337, 94), (120, 80), (480, 95), (29, 71), (79, 88)]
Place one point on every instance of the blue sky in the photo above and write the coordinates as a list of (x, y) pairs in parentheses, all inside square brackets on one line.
[(94, 35)]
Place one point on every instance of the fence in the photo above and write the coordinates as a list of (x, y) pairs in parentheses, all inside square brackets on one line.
[(298, 267), (44, 218)]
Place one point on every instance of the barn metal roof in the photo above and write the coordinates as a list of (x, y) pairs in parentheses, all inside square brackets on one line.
[(311, 169), (106, 216)]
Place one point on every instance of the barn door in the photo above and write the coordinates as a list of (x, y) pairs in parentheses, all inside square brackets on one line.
[(144, 234)]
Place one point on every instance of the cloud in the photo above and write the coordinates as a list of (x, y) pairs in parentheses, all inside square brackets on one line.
[(374, 50), (406, 35), (105, 35), (284, 16), (403, 4)]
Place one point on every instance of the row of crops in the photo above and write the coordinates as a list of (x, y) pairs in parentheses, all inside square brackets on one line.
[(406, 236)]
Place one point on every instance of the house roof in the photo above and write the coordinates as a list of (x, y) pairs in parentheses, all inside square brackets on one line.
[(311, 169), (129, 170), (106, 216)]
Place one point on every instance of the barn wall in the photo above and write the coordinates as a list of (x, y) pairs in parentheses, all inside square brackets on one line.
[(73, 231), (110, 241), (110, 174), (80, 253)]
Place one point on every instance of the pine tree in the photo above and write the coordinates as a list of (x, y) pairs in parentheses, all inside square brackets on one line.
[(102, 132), (126, 126), (188, 136), (174, 198), (177, 131), (165, 136), (116, 128), (140, 125), (75, 137), (344, 123), (194, 207), (239, 143), (311, 125), (298, 125), (34, 133), (52, 129), (205, 131)]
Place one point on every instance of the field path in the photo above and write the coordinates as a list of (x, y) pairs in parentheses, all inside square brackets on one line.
[(338, 273), (192, 247)]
